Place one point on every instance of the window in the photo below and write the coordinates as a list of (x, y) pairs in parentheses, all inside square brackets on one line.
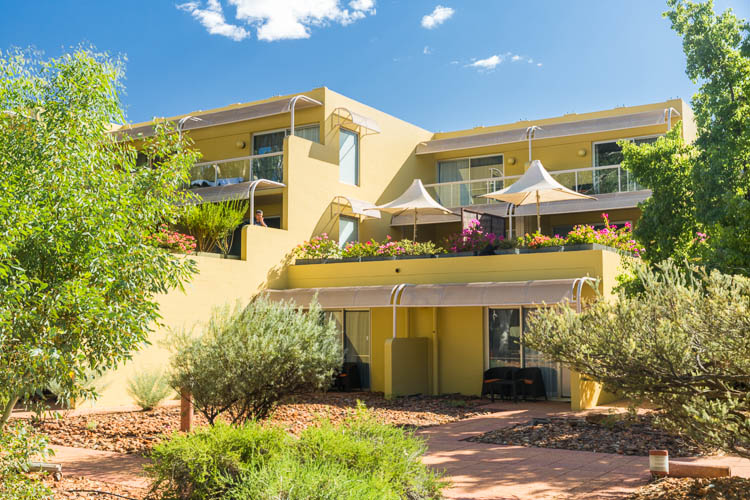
[(348, 230), (357, 343), (610, 153), (348, 157), (468, 169), (506, 348)]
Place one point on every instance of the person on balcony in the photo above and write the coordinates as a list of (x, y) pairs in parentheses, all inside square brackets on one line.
[(259, 219)]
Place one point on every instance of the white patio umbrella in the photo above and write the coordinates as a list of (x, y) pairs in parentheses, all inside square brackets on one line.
[(415, 200), (536, 186)]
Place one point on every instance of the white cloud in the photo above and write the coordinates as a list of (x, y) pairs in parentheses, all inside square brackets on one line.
[(427, 50), (437, 17), (212, 18), (494, 61), (487, 64), (278, 19)]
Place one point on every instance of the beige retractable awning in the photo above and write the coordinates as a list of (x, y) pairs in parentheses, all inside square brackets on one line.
[(347, 117), (336, 297), (621, 122), (239, 191), (227, 116), (361, 208), (489, 294)]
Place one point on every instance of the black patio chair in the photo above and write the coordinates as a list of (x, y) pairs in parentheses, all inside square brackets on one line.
[(530, 383), (501, 381), (348, 378)]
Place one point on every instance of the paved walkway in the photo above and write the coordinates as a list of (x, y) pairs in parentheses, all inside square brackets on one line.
[(487, 471), (476, 470)]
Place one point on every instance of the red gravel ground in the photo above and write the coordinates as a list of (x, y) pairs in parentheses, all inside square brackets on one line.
[(137, 432), (730, 488)]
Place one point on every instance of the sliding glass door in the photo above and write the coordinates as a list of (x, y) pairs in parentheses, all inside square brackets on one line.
[(506, 348), (357, 343)]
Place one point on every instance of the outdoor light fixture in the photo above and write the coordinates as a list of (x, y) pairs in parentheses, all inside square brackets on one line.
[(512, 160), (240, 144), (582, 152)]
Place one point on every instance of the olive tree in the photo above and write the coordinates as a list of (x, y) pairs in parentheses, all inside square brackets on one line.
[(682, 343), (245, 360), (78, 275)]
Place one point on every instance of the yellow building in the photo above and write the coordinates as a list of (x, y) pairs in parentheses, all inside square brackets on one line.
[(425, 325)]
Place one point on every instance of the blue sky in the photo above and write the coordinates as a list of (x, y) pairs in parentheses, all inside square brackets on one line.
[(443, 65)]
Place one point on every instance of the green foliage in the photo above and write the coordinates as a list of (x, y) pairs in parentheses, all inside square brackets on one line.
[(19, 445), (358, 459), (247, 359), (213, 224), (705, 186), (668, 225), (77, 275), (148, 388), (680, 342), (209, 461)]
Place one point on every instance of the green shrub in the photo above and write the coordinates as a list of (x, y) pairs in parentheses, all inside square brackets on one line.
[(18, 445), (358, 459), (246, 360), (148, 388), (213, 224), (209, 461)]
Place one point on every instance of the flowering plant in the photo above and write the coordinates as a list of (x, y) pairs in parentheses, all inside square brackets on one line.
[(610, 235), (172, 240), (538, 240), (319, 247), (361, 249), (472, 239)]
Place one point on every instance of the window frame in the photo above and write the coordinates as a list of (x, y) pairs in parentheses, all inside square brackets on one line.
[(437, 166), (286, 134), (357, 176), (595, 143), (356, 226)]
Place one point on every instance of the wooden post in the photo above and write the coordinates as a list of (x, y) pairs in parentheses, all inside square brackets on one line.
[(186, 411)]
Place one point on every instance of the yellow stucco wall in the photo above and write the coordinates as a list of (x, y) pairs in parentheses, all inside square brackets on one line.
[(388, 164)]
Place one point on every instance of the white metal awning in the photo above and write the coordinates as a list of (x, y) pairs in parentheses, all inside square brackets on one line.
[(226, 116), (553, 130), (239, 191), (517, 293), (360, 208), (347, 117)]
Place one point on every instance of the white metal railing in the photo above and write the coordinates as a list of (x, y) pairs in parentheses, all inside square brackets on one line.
[(235, 170), (588, 180)]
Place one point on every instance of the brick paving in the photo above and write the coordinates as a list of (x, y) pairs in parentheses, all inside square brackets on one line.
[(489, 471), (477, 471)]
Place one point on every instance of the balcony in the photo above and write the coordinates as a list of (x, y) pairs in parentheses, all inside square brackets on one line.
[(591, 181), (236, 170)]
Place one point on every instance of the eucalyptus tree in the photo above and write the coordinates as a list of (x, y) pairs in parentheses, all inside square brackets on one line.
[(78, 275)]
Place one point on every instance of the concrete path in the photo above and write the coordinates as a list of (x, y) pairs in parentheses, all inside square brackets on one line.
[(487, 471)]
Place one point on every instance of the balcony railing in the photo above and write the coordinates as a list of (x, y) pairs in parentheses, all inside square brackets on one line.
[(591, 181), (235, 170)]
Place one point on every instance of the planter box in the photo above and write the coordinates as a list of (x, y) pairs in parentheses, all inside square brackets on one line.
[(506, 251), (461, 254), (378, 257), (216, 255), (349, 259), (304, 262), (548, 249), (410, 257)]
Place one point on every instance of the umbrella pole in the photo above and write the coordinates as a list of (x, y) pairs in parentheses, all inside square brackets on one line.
[(414, 233), (538, 215)]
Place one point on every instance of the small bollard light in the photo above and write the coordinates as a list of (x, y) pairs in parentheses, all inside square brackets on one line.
[(658, 462)]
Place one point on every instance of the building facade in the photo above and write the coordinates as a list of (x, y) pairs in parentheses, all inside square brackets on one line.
[(428, 325)]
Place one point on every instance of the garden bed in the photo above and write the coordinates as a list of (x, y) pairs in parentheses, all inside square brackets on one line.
[(624, 435), (137, 432), (672, 488)]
